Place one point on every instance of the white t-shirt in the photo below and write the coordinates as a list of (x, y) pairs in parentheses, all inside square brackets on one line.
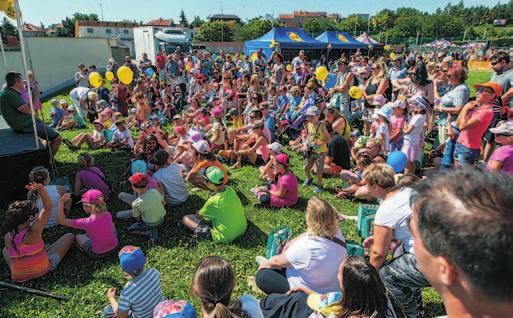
[(394, 213), (172, 180), (414, 137), (251, 306), (315, 262), (120, 135), (384, 130)]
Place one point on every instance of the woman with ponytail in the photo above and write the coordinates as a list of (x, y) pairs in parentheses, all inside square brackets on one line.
[(213, 283), (25, 251)]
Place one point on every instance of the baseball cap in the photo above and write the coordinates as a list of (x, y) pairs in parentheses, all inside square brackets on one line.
[(275, 147), (139, 180), (283, 158), (202, 147), (214, 175), (497, 89), (419, 100), (54, 102), (91, 196), (174, 309), (326, 304), (313, 111), (503, 128), (131, 259)]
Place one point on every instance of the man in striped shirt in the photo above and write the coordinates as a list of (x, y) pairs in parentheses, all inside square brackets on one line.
[(141, 294)]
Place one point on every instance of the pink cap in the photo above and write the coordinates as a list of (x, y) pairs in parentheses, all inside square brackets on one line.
[(217, 112), (283, 158), (92, 196)]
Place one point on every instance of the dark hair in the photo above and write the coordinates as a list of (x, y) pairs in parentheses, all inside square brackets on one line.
[(500, 56), (38, 174), (213, 283), (257, 112), (465, 215), (11, 78), (421, 75), (18, 213), (364, 292)]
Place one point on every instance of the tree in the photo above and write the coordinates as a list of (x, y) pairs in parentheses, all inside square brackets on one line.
[(383, 20), (316, 26), (197, 22), (183, 19), (353, 23), (7, 29), (68, 24), (253, 29), (216, 31)]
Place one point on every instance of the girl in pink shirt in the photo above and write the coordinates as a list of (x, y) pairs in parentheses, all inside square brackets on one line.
[(101, 237)]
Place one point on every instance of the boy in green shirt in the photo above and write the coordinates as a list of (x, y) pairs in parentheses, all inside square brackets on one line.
[(222, 217)]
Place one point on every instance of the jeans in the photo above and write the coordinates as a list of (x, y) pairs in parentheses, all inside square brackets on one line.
[(448, 158), (272, 281), (150, 229), (466, 156), (404, 282), (109, 313), (396, 145)]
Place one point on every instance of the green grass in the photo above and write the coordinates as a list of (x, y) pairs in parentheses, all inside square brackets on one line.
[(477, 77), (86, 281)]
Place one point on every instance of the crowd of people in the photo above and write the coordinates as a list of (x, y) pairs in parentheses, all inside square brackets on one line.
[(403, 131)]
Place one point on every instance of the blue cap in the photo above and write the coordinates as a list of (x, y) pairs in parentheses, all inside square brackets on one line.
[(131, 259), (174, 309)]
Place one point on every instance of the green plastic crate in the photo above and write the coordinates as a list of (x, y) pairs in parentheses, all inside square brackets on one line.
[(365, 221), (354, 249)]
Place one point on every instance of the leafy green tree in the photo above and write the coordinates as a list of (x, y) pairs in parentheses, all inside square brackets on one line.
[(316, 26), (353, 23), (216, 31), (253, 29), (197, 22), (68, 24), (7, 28), (383, 20), (183, 19)]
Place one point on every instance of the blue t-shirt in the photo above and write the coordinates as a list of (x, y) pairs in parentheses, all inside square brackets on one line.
[(142, 294)]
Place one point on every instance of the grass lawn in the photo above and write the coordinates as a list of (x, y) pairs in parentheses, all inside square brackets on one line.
[(477, 77), (86, 281)]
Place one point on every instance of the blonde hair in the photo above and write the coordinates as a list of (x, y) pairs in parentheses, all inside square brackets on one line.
[(381, 175), (97, 207), (321, 218), (382, 72)]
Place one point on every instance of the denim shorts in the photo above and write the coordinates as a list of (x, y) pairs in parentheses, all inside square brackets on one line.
[(54, 261), (43, 131), (466, 156)]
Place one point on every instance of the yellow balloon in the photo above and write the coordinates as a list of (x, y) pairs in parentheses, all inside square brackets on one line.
[(188, 68), (355, 92), (321, 73), (253, 56), (289, 68), (95, 79), (4, 4), (109, 75), (125, 75), (392, 55), (387, 47)]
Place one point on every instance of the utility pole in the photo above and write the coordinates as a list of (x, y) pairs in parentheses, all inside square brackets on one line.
[(101, 10)]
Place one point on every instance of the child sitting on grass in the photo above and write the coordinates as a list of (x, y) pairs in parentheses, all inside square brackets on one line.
[(224, 210), (141, 294), (148, 208), (96, 139), (42, 175), (24, 250), (121, 139), (100, 240), (90, 176)]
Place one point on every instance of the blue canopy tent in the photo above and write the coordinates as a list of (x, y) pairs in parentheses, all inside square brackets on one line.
[(341, 40), (287, 39)]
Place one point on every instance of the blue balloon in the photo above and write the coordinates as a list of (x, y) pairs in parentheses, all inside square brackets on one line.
[(397, 160), (150, 71), (214, 57), (331, 80), (139, 166)]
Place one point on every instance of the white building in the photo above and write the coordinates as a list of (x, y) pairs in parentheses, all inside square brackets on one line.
[(121, 32)]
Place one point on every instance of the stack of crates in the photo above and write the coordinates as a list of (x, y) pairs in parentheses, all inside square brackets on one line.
[(365, 221)]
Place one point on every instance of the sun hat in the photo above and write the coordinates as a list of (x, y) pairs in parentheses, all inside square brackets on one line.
[(97, 122), (419, 100), (202, 147), (214, 174), (497, 89), (177, 117), (378, 100), (326, 304), (383, 112), (217, 112), (131, 259), (275, 147), (397, 104), (313, 111), (174, 309), (283, 158), (64, 101), (139, 180), (91, 196), (503, 128)]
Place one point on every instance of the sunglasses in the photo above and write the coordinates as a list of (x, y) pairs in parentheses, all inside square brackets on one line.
[(375, 68), (495, 63), (445, 71), (482, 90)]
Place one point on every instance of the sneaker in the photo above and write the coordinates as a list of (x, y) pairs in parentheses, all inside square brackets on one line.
[(70, 145), (254, 191), (307, 182), (317, 189)]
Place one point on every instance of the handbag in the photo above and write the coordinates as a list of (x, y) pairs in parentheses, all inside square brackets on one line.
[(277, 240)]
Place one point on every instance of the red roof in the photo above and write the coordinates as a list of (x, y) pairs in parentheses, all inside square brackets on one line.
[(27, 27), (160, 22)]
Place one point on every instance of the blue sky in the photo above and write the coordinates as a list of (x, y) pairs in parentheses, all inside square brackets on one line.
[(52, 11)]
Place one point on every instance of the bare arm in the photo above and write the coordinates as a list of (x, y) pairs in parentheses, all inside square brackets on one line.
[(382, 239), (61, 218), (41, 220)]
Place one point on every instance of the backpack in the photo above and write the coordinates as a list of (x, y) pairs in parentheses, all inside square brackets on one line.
[(277, 241)]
